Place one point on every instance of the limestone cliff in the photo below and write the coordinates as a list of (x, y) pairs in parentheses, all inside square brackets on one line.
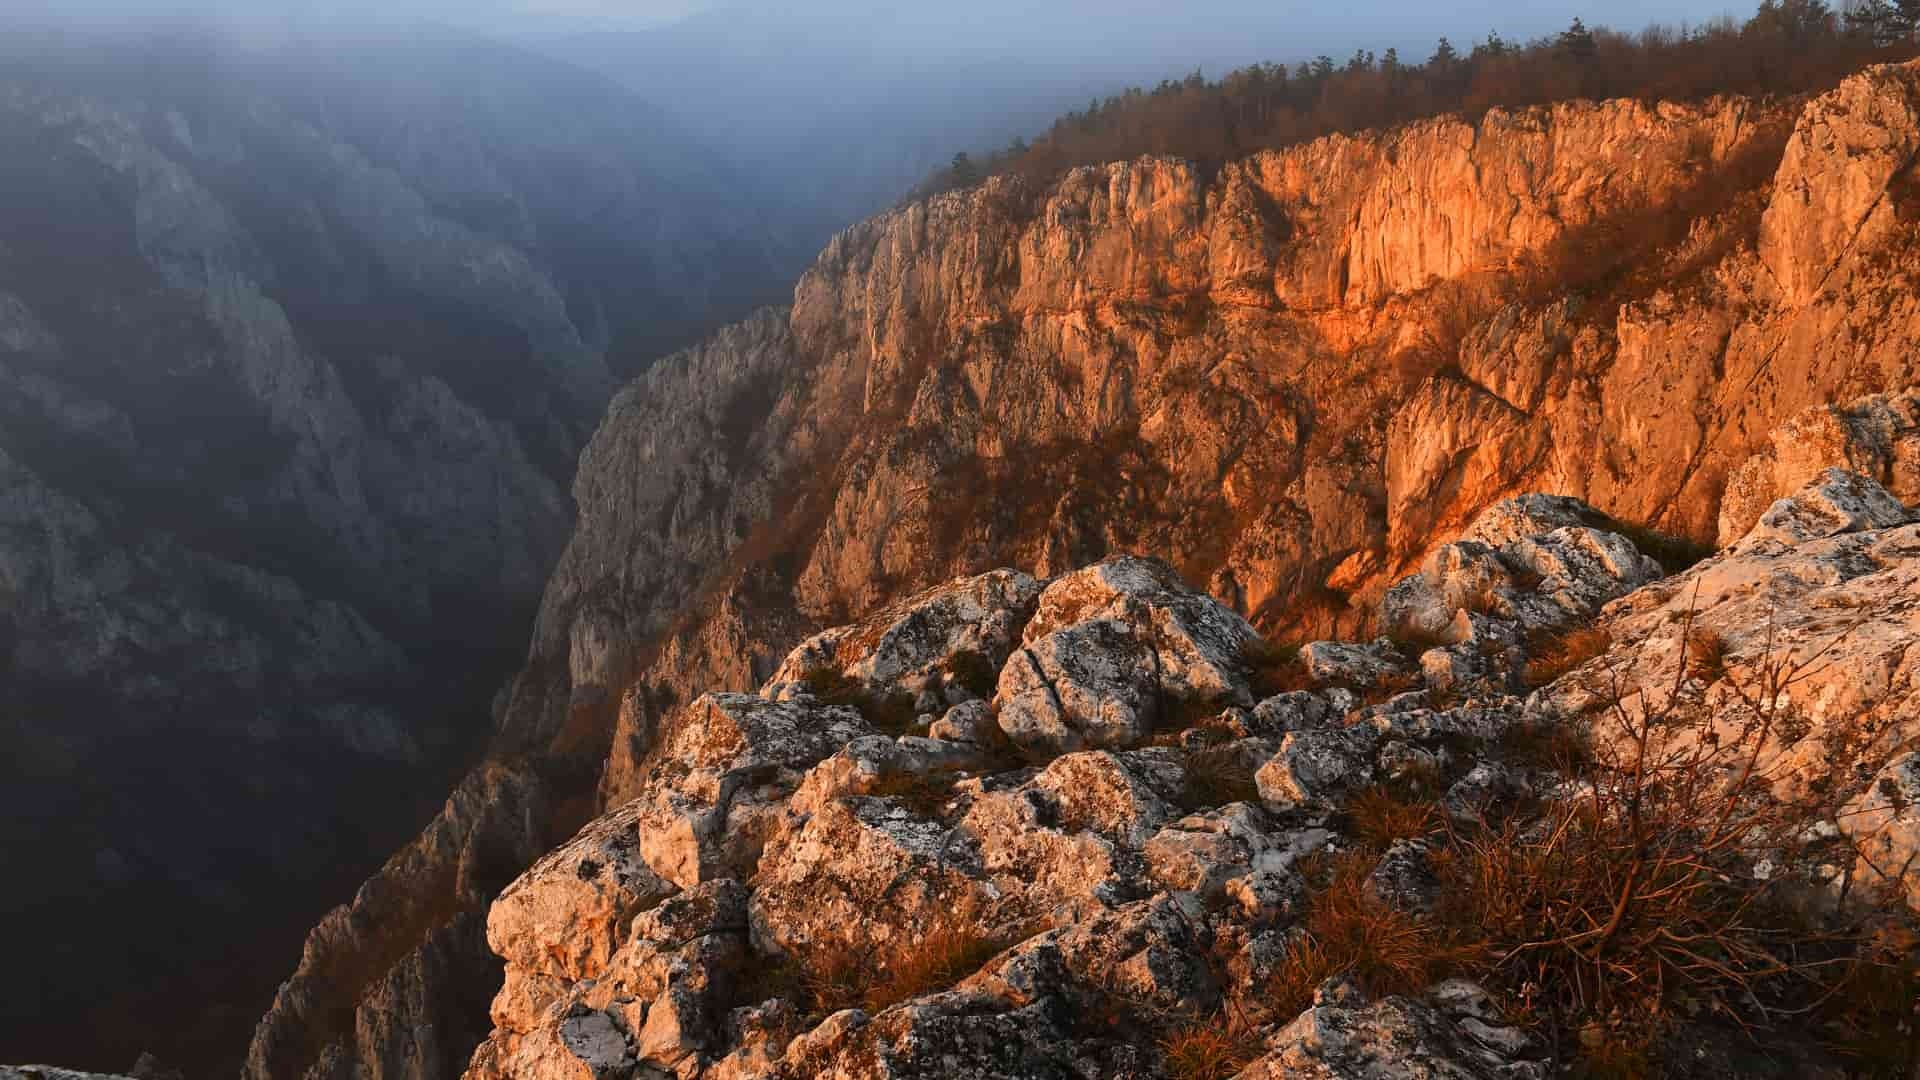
[(1292, 380)]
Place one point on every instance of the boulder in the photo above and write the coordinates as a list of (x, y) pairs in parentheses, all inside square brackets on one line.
[(568, 914), (958, 1036), (716, 787), (861, 871), (1346, 1037), (968, 722), (866, 764), (1299, 710), (1876, 436), (946, 638), (1883, 822), (1368, 666), (1107, 645), (1092, 684), (1835, 502), (1316, 769), (1205, 853)]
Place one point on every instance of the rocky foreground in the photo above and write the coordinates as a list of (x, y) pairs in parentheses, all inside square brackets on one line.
[(1025, 828)]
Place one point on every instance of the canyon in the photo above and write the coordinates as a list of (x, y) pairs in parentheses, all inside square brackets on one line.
[(298, 345), (1612, 362)]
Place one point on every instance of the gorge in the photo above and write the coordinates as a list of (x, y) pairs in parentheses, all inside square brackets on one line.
[(1294, 380), (1064, 637)]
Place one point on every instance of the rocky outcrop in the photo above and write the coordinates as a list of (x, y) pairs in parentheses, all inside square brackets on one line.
[(1293, 381), (1877, 436), (911, 906)]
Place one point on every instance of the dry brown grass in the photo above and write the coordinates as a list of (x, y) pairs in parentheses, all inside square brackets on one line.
[(1562, 747), (1706, 655), (1217, 775), (1612, 915), (1207, 1050), (834, 977), (1554, 656), (1349, 931), (950, 952), (1620, 1052), (1381, 814)]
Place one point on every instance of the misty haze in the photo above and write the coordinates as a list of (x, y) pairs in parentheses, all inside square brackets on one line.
[(616, 539)]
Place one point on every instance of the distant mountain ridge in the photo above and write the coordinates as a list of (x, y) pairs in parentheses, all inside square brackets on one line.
[(299, 340)]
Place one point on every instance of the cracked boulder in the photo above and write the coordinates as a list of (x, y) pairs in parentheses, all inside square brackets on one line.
[(715, 791), (1071, 834), (1341, 663), (1876, 436), (1204, 853), (1529, 564), (947, 641), (1147, 953), (1450, 1035), (1837, 612), (1092, 684), (1109, 645), (1836, 502), (570, 911), (870, 763), (1318, 769), (1884, 824), (958, 1037), (862, 871)]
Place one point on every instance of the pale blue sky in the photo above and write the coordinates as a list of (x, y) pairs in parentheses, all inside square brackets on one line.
[(1361, 18)]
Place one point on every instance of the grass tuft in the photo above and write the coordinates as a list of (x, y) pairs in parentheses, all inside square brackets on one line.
[(1216, 776), (1207, 1050), (1379, 815), (1349, 931), (1553, 656)]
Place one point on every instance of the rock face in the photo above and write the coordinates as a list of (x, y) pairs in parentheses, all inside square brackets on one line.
[(293, 374), (1877, 436), (1299, 381), (905, 906)]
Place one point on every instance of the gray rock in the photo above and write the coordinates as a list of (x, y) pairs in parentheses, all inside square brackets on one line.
[(1318, 768), (1090, 684), (1836, 502), (1372, 665), (1404, 877), (1346, 1037)]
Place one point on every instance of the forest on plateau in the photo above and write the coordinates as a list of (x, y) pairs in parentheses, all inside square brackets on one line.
[(1788, 47)]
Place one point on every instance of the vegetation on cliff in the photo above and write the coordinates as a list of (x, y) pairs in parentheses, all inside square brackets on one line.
[(1788, 47)]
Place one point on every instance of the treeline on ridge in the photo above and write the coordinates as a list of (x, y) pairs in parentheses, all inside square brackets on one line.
[(1787, 47)]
